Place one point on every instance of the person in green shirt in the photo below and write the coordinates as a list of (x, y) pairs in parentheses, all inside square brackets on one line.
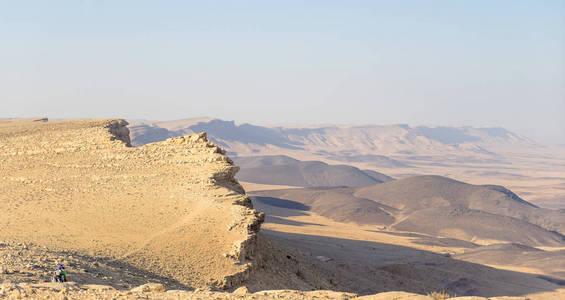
[(60, 274)]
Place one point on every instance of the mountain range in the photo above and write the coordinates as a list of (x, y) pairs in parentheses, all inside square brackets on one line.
[(339, 140)]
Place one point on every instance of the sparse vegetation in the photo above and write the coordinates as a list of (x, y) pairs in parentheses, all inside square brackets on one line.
[(441, 295)]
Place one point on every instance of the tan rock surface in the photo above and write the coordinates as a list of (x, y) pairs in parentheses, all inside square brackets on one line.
[(172, 208), (72, 291), (150, 287), (396, 296)]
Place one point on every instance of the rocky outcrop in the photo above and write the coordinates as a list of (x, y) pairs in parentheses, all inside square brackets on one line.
[(119, 131), (172, 209)]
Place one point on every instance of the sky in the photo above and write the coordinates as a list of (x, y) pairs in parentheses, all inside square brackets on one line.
[(421, 62)]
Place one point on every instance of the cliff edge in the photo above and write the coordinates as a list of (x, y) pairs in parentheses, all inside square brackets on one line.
[(170, 209)]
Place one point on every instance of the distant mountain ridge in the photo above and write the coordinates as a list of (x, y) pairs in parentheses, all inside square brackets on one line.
[(339, 141)]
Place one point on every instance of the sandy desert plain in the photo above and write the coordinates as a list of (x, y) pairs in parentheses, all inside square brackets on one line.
[(161, 210)]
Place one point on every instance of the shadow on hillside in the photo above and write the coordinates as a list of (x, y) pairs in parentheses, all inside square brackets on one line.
[(114, 272), (282, 203), (366, 267), (282, 221), (279, 207), (431, 241)]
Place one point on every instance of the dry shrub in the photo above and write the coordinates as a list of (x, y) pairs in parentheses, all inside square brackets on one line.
[(442, 295)]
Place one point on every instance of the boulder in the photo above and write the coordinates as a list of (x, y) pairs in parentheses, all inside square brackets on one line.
[(150, 287), (242, 290)]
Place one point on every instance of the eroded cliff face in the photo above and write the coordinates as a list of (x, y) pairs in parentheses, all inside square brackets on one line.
[(172, 208)]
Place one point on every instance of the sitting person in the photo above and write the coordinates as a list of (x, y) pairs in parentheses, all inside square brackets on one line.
[(60, 274)]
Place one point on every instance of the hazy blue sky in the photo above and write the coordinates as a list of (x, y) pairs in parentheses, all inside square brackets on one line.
[(485, 63)]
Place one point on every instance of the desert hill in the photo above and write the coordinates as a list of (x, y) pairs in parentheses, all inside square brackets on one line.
[(433, 205), (430, 192), (284, 170), (172, 209), (370, 260)]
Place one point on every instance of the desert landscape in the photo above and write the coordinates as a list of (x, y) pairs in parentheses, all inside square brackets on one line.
[(327, 191), (475, 155), (373, 150), (169, 219)]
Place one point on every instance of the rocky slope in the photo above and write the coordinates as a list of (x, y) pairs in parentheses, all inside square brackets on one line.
[(71, 290), (172, 209)]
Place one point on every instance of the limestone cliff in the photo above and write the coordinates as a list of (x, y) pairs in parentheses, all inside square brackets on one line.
[(172, 208)]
